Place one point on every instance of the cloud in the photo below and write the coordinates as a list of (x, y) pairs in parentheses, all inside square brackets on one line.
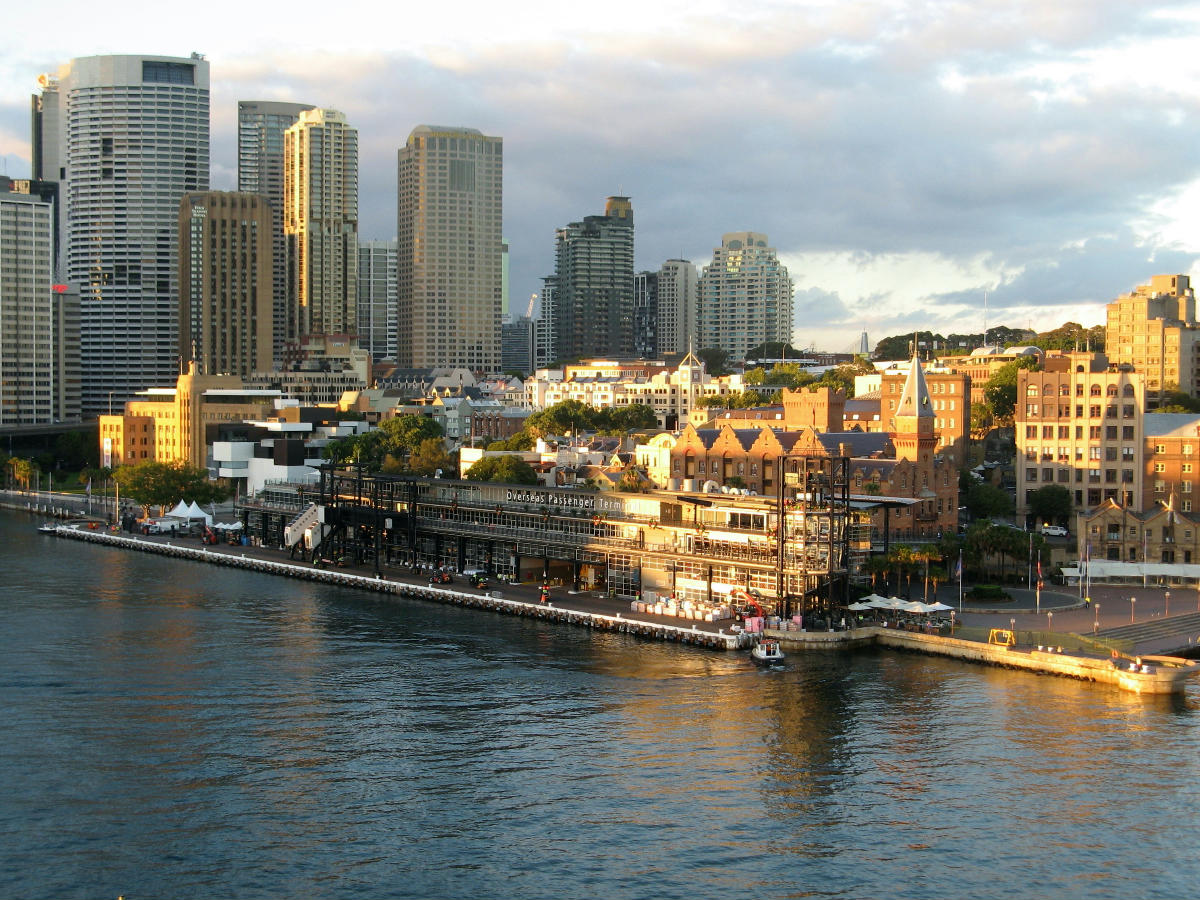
[(903, 157)]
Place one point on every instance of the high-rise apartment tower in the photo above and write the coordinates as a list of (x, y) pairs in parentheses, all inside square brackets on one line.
[(593, 266), (449, 262), (320, 220), (261, 124), (745, 296)]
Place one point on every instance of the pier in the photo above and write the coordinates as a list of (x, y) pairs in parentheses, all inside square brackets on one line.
[(1153, 673), (571, 609)]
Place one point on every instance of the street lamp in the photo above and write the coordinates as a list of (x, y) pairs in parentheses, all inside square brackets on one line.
[(1167, 602), (1050, 621), (1096, 624), (1012, 629), (1132, 601)]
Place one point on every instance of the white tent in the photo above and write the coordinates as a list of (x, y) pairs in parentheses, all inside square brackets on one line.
[(195, 512), (181, 511)]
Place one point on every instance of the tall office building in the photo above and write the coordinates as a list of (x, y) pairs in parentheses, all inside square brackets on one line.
[(320, 220), (39, 324), (745, 296), (225, 301), (377, 298), (1154, 329), (129, 136), (678, 291), (261, 124), (450, 279), (593, 268)]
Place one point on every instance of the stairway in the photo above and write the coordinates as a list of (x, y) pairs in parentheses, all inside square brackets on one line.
[(296, 529)]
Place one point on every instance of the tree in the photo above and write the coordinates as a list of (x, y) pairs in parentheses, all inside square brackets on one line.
[(1051, 503), (1176, 401), (981, 418), (504, 469), (624, 419), (24, 470), (842, 377), (986, 501), (429, 456), (716, 360), (522, 440), (155, 483), (773, 350), (1000, 392), (563, 417)]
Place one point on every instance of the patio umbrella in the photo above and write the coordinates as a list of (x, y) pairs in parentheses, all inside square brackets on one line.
[(860, 606), (939, 607)]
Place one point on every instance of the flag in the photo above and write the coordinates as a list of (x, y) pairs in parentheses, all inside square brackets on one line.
[(89, 488), (958, 568)]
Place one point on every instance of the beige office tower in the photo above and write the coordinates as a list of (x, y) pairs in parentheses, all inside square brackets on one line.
[(225, 282), (449, 260), (320, 220), (1153, 328)]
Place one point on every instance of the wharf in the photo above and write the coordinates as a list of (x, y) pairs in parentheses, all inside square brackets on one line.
[(1152, 674), (572, 609), (1157, 674)]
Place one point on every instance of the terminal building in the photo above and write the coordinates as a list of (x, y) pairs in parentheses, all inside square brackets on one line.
[(697, 550)]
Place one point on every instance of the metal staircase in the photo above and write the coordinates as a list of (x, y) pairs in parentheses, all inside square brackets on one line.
[(309, 522)]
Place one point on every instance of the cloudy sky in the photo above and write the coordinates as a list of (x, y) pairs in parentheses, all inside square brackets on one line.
[(905, 158)]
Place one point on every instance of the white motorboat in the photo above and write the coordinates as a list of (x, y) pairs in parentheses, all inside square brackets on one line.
[(767, 653), (48, 528)]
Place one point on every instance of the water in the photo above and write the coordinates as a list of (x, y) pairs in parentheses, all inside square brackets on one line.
[(172, 729)]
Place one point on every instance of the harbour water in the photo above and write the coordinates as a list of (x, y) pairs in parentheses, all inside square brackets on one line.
[(174, 729)]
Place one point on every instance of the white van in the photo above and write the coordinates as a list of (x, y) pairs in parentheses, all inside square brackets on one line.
[(1054, 531)]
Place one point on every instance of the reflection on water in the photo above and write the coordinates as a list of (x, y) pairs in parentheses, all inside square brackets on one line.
[(174, 729)]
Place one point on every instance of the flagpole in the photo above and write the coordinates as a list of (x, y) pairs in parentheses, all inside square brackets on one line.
[(960, 577)]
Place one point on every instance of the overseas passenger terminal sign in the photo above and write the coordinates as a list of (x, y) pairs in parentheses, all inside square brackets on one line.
[(552, 498)]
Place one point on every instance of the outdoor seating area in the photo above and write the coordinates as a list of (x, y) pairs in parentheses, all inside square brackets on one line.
[(907, 615)]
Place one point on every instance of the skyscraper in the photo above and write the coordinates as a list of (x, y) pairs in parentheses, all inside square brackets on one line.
[(261, 124), (645, 314), (377, 298), (39, 324), (449, 261), (593, 268), (225, 282), (320, 219), (745, 296), (678, 290), (129, 135)]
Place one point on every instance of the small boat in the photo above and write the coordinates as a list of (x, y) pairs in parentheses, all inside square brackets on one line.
[(767, 653), (48, 528)]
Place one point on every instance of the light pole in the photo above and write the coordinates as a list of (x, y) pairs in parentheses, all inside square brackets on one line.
[(1012, 629), (1167, 606), (1050, 622), (1096, 624), (1132, 601)]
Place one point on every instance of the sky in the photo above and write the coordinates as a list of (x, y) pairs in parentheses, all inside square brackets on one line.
[(917, 165)]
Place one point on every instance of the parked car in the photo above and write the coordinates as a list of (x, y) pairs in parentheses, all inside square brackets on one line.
[(1054, 531)]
